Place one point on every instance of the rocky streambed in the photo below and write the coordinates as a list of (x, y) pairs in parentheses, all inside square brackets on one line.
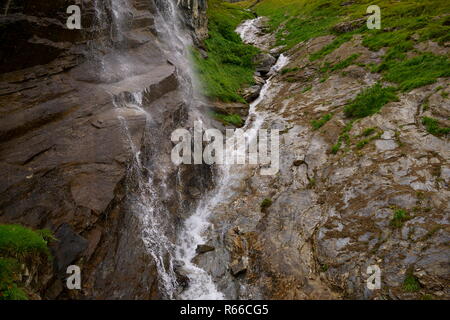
[(333, 215)]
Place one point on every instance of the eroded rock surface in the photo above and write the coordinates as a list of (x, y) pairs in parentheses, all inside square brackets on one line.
[(76, 108), (332, 214)]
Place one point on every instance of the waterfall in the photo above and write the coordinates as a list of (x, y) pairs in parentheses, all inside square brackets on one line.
[(201, 285), (145, 192)]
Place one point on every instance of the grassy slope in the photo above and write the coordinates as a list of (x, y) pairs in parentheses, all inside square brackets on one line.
[(229, 64), (306, 19), (403, 24)]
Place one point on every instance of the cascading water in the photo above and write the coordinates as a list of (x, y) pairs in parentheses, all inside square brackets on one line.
[(144, 195), (201, 285), (145, 192)]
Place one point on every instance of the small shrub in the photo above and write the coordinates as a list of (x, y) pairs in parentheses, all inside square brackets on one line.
[(411, 284), (362, 143), (324, 267), (306, 89), (9, 274), (229, 119), (288, 70), (432, 126), (316, 124), (370, 101), (335, 148), (400, 216), (266, 203), (367, 132), (18, 240)]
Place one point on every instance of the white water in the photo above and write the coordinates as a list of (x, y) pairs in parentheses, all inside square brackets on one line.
[(144, 198), (201, 285), (143, 194), (249, 30)]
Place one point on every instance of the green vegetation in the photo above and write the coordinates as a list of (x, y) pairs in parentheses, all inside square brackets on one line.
[(330, 47), (418, 71), (288, 70), (18, 244), (411, 284), (345, 63), (229, 119), (324, 267), (229, 65), (306, 89), (266, 203), (335, 148), (400, 217), (370, 101), (369, 131), (362, 143), (316, 124), (343, 137), (404, 24), (432, 126), (9, 274), (18, 240)]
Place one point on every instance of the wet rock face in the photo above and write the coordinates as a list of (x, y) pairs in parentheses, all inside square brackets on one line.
[(194, 12), (65, 155), (333, 215)]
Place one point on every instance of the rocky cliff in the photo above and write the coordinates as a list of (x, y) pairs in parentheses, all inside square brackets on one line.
[(82, 113)]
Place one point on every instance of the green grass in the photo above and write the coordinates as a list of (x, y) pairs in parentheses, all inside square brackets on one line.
[(9, 274), (316, 124), (335, 148), (410, 283), (229, 64), (418, 71), (432, 126), (404, 24), (18, 240), (400, 217), (370, 101), (345, 63), (369, 131), (229, 119), (266, 203), (18, 243), (288, 70)]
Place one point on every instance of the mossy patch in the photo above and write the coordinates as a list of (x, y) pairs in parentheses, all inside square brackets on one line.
[(317, 124), (18, 244), (433, 127), (370, 101)]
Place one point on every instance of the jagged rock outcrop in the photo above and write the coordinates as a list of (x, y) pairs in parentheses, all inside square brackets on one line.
[(195, 17), (71, 127)]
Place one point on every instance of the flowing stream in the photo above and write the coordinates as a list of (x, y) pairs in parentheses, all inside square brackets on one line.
[(144, 197), (201, 285)]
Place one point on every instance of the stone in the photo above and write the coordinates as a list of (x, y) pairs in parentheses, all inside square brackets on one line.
[(349, 26), (251, 93), (203, 248), (238, 267), (264, 62), (69, 247)]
